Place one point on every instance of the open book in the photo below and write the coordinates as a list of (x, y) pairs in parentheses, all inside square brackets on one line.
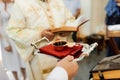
[(72, 26)]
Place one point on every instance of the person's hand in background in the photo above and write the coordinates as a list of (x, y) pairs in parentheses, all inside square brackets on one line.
[(8, 48), (118, 2)]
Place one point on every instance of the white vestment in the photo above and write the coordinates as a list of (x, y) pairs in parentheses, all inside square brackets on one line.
[(10, 59), (28, 19)]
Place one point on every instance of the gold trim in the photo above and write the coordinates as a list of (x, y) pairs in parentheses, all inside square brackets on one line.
[(47, 10)]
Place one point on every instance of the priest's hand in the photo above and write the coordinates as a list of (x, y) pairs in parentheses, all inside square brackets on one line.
[(48, 34)]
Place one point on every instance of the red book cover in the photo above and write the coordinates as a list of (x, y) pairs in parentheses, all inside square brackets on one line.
[(50, 50)]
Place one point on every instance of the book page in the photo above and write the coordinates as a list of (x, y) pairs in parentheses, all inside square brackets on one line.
[(72, 25), (78, 22), (114, 27)]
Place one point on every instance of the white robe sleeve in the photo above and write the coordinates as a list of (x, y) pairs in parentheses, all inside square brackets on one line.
[(21, 34), (58, 73)]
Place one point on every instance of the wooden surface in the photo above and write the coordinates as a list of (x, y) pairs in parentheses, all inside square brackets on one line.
[(113, 33), (110, 40), (115, 74)]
